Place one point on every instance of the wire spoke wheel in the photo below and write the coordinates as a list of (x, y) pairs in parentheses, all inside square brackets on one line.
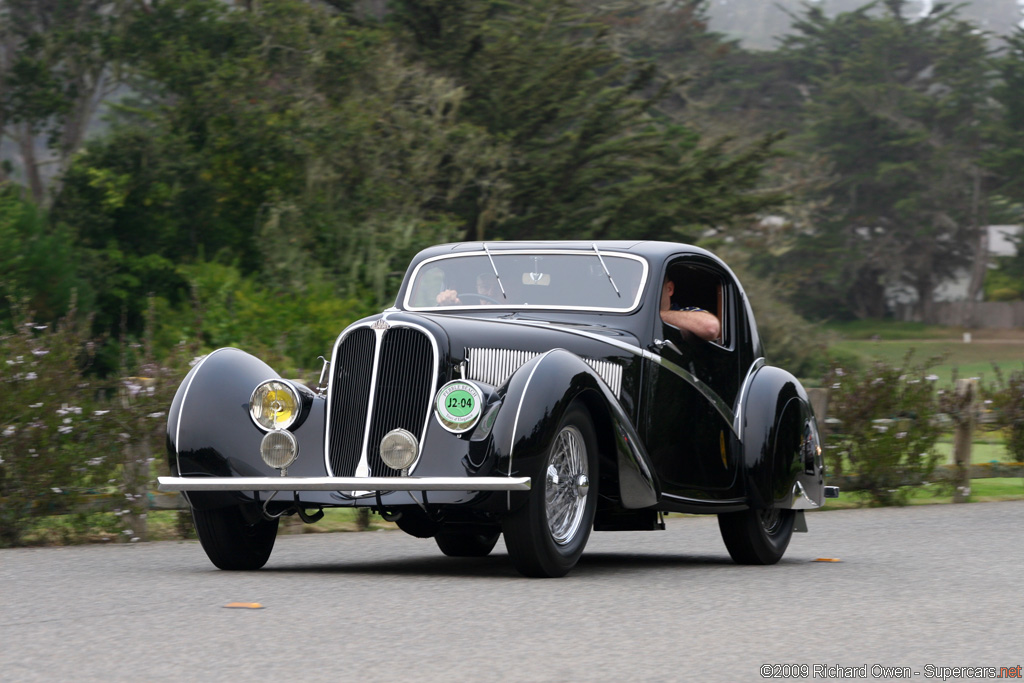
[(566, 485), (546, 536)]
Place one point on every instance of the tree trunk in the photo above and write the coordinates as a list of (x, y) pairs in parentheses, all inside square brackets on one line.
[(979, 266), (27, 146)]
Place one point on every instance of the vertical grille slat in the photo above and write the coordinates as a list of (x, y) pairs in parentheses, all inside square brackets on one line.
[(352, 368), (495, 366), (398, 395), (403, 391)]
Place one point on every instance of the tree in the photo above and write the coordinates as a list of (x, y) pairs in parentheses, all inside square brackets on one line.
[(55, 71), (897, 107), (591, 155)]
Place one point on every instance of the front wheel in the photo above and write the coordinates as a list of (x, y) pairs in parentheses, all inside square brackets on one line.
[(231, 541), (467, 544), (546, 537), (757, 536)]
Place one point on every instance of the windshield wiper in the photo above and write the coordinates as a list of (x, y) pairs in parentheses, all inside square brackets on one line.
[(495, 269), (610, 278)]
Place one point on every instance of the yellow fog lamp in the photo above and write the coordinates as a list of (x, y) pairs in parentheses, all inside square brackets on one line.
[(279, 449), (398, 449), (275, 404)]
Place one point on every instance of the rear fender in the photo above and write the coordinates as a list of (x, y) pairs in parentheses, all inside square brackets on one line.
[(535, 400), (781, 445)]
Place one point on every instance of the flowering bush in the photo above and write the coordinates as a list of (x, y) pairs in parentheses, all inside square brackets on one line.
[(882, 425), (66, 438)]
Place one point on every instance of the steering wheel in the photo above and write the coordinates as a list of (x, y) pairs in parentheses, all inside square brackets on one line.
[(482, 297)]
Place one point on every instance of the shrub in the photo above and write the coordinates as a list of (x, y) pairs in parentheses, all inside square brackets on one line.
[(883, 424), (1005, 397), (73, 444)]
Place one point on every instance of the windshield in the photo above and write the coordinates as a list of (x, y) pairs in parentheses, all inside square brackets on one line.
[(576, 280)]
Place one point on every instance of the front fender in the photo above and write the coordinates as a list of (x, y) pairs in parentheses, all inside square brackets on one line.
[(210, 432), (535, 400), (782, 457)]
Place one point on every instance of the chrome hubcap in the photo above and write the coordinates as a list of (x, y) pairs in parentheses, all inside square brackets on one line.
[(566, 485)]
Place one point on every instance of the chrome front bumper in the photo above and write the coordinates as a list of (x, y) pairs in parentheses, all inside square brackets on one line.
[(344, 484)]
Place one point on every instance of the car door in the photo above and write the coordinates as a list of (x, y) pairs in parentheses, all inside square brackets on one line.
[(692, 386)]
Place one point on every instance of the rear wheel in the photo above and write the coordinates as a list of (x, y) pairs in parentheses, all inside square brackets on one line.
[(546, 537), (231, 541), (467, 544), (757, 536)]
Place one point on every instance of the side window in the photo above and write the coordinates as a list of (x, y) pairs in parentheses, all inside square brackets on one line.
[(702, 287)]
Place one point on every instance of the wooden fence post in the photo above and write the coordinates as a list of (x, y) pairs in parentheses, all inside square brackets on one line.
[(966, 391)]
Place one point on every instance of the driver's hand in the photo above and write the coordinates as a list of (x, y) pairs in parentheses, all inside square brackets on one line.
[(448, 297)]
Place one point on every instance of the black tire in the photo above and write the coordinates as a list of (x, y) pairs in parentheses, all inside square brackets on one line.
[(546, 537), (231, 542), (471, 544), (757, 536)]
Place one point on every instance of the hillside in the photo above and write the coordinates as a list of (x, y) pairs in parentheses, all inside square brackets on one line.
[(757, 23)]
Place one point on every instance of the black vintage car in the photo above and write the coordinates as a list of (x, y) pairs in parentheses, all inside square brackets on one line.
[(525, 389)]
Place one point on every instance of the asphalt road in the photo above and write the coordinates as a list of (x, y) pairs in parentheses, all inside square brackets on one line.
[(937, 586)]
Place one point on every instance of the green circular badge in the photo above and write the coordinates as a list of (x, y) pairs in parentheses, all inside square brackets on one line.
[(458, 405)]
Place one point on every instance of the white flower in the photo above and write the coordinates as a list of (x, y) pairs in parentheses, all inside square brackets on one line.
[(932, 378), (100, 413), (67, 420), (40, 327), (56, 490), (840, 373), (31, 376), (9, 431), (40, 352), (64, 430), (36, 405), (157, 414)]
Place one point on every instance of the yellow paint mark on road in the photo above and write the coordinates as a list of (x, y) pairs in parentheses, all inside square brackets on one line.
[(244, 605)]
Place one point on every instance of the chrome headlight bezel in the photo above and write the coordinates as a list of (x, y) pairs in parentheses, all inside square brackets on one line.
[(258, 398), (275, 443), (400, 442)]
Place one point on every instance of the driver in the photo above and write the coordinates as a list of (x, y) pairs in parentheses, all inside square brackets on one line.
[(486, 285), (696, 320)]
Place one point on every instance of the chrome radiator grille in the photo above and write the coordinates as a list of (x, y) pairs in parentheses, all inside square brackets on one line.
[(382, 378), (495, 366)]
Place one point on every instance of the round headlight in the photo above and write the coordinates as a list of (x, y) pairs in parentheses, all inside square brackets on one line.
[(458, 405), (274, 404), (279, 448), (398, 449)]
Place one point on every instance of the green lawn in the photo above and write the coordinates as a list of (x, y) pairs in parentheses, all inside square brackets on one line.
[(970, 360), (982, 491)]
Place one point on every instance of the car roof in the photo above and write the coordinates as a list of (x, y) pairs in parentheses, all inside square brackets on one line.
[(652, 250)]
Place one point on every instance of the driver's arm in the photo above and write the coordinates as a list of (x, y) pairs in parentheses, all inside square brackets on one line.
[(695, 320)]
